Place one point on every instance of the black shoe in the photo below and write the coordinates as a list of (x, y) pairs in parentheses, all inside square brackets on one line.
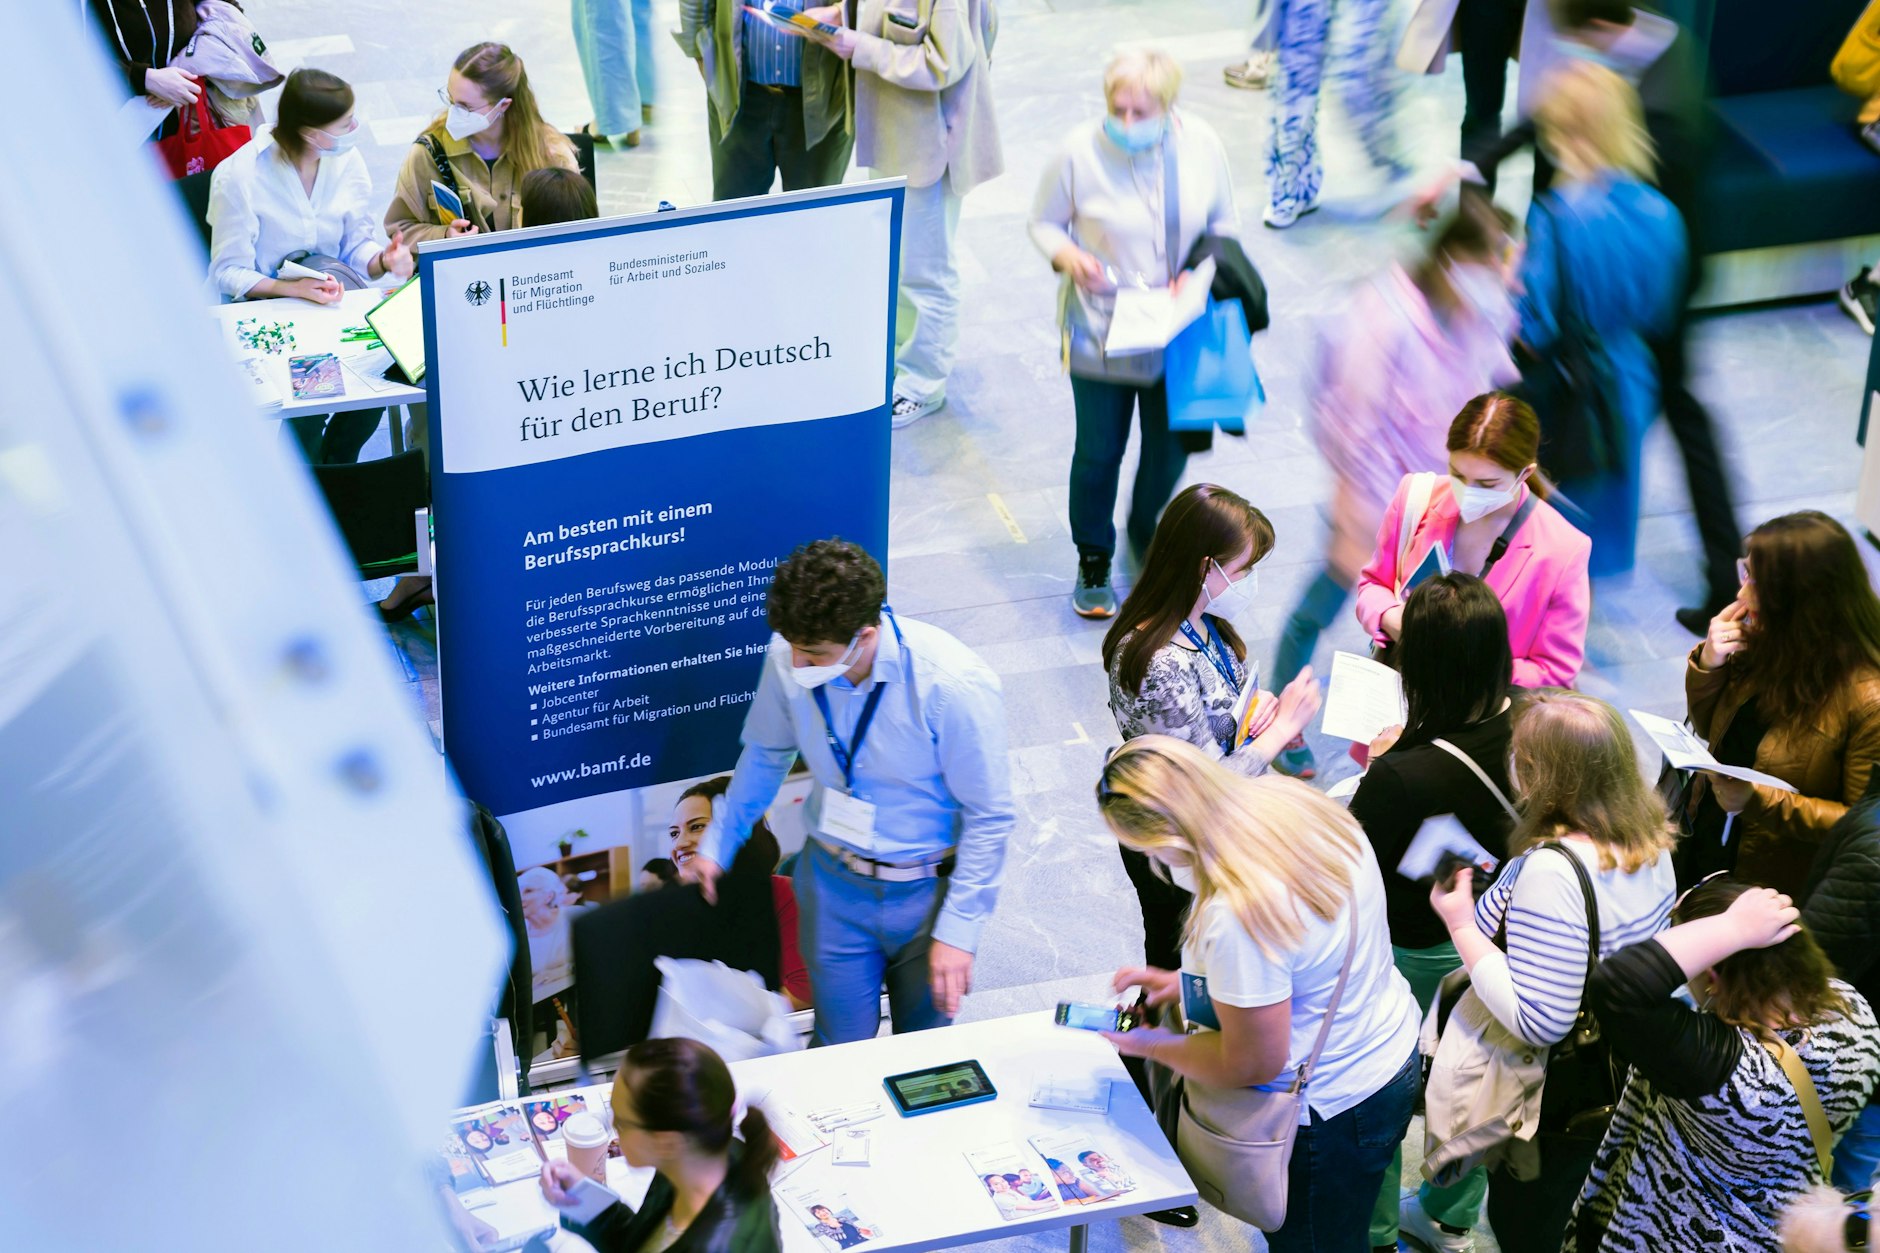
[(1180, 1216), (1861, 299), (1093, 597)]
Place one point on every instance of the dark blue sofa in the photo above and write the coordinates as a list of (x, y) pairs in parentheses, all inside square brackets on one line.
[(1787, 166)]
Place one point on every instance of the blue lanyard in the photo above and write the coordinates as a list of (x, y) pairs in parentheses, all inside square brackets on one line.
[(847, 755), (1215, 649)]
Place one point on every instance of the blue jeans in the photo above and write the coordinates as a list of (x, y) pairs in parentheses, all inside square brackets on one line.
[(614, 40), (857, 934), (1338, 1165), (1104, 411), (1857, 1156)]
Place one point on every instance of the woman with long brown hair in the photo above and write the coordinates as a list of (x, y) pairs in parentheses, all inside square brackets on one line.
[(1788, 681), (488, 138), (1178, 666), (1489, 518), (1711, 1140), (1592, 840), (673, 1106)]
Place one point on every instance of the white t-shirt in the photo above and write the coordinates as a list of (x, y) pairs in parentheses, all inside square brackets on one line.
[(1375, 1030)]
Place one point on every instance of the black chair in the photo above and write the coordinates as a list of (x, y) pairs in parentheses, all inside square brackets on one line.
[(584, 155), (194, 189), (373, 503), (615, 945)]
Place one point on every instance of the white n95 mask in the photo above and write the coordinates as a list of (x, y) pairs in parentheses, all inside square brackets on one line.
[(1478, 502), (1236, 598), (811, 677), (461, 123)]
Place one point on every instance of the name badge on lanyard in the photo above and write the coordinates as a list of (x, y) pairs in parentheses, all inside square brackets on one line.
[(847, 818)]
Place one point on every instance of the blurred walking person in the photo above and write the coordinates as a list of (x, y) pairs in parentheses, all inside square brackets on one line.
[(1414, 347)]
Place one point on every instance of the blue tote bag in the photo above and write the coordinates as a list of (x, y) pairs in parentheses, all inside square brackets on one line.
[(1208, 372)]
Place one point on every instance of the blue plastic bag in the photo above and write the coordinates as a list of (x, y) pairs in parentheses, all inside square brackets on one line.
[(1208, 372)]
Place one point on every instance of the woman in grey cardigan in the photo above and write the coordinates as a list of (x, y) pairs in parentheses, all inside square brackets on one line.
[(1105, 217)]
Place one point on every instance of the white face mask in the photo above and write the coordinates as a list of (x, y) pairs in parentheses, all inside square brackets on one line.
[(810, 677), (1234, 599), (461, 123), (1478, 502), (339, 143)]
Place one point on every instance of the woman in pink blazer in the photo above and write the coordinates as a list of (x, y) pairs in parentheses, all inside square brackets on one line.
[(1489, 519)]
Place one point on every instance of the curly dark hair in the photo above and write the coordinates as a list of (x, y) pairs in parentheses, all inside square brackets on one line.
[(825, 592)]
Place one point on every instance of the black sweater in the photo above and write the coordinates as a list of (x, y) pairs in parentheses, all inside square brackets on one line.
[(1410, 784), (1686, 1053), (1841, 904)]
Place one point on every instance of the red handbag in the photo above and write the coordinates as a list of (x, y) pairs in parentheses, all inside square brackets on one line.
[(199, 145)]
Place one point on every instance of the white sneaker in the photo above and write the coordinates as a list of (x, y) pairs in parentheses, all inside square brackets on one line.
[(1423, 1232), (1279, 219), (907, 411)]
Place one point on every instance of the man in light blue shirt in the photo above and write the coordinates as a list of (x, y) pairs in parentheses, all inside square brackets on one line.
[(903, 729)]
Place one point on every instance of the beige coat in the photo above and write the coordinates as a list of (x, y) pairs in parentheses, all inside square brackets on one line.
[(492, 194), (923, 91)]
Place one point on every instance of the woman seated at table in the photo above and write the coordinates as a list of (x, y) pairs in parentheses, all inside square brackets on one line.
[(299, 189), (673, 1102), (488, 139)]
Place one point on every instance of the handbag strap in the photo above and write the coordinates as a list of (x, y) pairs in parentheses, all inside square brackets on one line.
[(1804, 1084), (1481, 774), (1338, 994), (445, 174), (1500, 547), (1592, 912), (1171, 201)]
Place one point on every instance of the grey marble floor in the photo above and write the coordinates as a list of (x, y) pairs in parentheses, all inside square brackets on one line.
[(979, 541)]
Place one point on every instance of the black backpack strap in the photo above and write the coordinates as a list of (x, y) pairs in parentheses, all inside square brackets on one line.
[(1500, 546), (445, 174)]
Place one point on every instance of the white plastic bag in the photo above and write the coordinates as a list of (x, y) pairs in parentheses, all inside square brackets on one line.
[(730, 1010)]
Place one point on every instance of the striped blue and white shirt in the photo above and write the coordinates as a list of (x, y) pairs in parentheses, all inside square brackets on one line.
[(771, 57), (1536, 988)]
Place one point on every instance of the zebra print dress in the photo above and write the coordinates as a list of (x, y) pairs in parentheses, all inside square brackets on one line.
[(1717, 1172)]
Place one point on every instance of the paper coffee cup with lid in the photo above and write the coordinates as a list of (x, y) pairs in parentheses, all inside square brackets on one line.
[(587, 1140)]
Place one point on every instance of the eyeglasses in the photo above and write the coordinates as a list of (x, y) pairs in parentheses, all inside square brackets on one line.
[(1742, 570), (444, 98), (1105, 793), (1677, 906)]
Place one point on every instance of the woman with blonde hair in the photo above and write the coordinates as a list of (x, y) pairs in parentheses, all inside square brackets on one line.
[(1287, 896), (1604, 274), (489, 137), (1124, 204), (1592, 844)]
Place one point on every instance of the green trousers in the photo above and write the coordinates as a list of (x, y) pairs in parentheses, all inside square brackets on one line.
[(1459, 1204)]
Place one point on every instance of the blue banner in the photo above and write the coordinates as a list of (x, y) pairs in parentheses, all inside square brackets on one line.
[(631, 422)]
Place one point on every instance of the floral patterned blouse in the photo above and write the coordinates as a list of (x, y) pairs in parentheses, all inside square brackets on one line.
[(1184, 695)]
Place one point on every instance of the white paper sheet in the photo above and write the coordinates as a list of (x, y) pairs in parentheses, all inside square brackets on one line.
[(1685, 751), (1441, 834), (138, 119), (1362, 699), (1146, 318)]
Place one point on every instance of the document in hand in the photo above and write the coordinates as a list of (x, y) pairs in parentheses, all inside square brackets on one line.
[(1438, 835), (1146, 318), (1363, 699), (1686, 752)]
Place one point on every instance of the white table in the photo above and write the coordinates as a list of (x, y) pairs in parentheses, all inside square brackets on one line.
[(317, 328), (918, 1186)]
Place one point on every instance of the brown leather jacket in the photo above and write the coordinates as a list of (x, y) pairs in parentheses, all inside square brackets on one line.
[(1827, 760)]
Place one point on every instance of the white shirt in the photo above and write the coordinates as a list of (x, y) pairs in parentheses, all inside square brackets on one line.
[(1375, 1030), (259, 214), (1109, 202)]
